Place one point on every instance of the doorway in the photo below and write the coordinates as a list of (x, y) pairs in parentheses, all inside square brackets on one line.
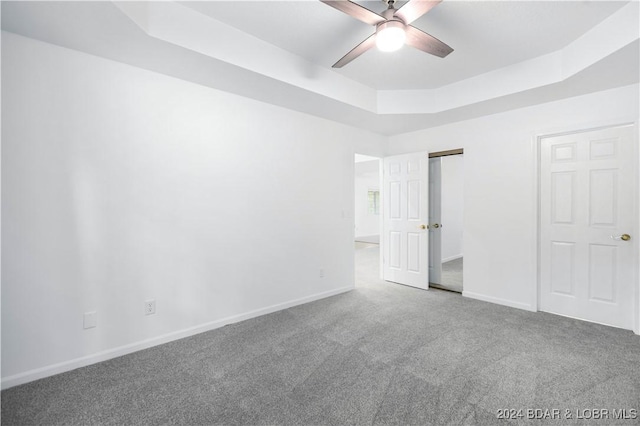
[(367, 217), (446, 213)]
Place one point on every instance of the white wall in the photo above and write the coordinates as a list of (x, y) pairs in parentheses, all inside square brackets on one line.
[(120, 185), (367, 176), (452, 206), (500, 189)]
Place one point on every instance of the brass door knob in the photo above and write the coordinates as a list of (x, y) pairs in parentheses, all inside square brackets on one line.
[(435, 225), (623, 237), (423, 227)]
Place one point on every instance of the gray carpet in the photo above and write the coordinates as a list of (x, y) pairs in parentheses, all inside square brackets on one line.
[(451, 278), (381, 354)]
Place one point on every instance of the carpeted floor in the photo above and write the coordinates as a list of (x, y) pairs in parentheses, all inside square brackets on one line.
[(381, 354)]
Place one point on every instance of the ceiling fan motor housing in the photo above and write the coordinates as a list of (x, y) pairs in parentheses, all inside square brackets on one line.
[(391, 20), (394, 23), (388, 14)]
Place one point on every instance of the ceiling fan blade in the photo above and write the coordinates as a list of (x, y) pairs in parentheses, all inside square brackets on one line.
[(356, 51), (414, 9), (425, 42), (355, 10)]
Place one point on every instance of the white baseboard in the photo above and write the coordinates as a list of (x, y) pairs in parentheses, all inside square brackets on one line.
[(450, 258), (499, 301), (50, 370)]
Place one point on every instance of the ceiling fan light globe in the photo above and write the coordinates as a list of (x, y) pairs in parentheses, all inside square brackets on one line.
[(390, 36)]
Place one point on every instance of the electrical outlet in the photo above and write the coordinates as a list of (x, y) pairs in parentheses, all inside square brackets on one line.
[(321, 273), (150, 307), (90, 319)]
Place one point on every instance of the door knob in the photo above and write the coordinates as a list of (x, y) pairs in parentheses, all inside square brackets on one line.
[(423, 226), (623, 237), (435, 225)]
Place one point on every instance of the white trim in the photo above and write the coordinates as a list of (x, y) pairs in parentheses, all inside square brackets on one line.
[(498, 301), (50, 370), (580, 128), (585, 320), (636, 246), (381, 216), (535, 190), (450, 258)]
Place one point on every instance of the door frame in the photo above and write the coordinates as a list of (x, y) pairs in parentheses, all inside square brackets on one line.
[(440, 154), (537, 138)]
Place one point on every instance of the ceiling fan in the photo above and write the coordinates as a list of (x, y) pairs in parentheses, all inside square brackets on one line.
[(392, 28)]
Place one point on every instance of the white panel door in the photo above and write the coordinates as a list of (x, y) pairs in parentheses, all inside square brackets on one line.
[(586, 204), (435, 214), (405, 215)]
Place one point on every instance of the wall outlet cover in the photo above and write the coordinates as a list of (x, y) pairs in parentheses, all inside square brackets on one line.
[(150, 307)]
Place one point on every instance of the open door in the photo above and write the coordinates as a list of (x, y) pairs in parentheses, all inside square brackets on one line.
[(405, 217)]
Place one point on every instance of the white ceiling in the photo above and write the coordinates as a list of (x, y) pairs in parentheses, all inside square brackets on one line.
[(485, 35), (508, 54)]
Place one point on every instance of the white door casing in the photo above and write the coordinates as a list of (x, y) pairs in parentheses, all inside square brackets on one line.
[(587, 193), (405, 215), (435, 215)]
